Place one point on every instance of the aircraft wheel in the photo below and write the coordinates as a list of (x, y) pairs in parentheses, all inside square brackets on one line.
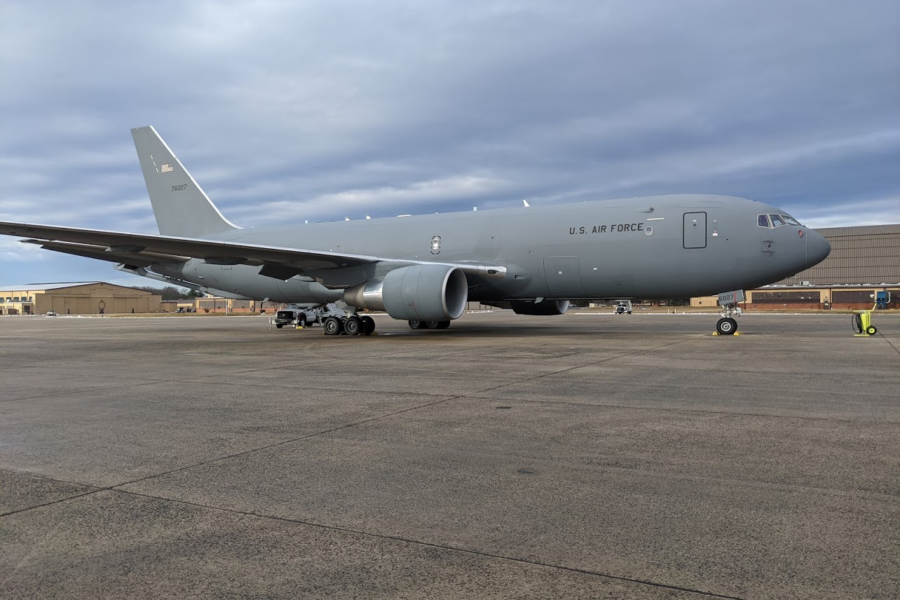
[(332, 326), (432, 324), (726, 326), (368, 325), (279, 325), (416, 324), (443, 324), (871, 330), (301, 321), (352, 326)]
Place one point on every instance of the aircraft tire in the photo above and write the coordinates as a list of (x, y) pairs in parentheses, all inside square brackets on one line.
[(726, 326), (443, 324), (352, 326), (332, 326), (279, 325), (368, 325), (301, 321), (416, 324), (433, 324)]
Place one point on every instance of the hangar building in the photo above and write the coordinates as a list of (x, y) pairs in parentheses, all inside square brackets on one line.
[(77, 298)]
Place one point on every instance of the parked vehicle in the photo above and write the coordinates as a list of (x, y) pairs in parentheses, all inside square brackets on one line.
[(302, 317)]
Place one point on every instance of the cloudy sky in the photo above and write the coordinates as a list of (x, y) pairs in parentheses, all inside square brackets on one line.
[(293, 110)]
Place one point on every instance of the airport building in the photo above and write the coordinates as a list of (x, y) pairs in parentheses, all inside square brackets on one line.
[(864, 265), (77, 298)]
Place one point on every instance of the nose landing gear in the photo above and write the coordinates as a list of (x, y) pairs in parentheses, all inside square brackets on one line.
[(726, 326), (730, 309)]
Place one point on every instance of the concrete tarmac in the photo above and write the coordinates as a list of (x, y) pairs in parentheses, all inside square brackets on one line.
[(582, 456)]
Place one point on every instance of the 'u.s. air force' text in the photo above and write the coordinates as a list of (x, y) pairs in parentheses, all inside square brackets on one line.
[(614, 228)]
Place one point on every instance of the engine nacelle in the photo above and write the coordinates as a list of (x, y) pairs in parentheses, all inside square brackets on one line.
[(415, 293), (545, 308)]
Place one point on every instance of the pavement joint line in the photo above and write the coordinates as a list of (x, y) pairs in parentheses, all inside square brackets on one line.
[(95, 490), (341, 427), (306, 350), (315, 388), (890, 343), (690, 410), (379, 417), (46, 478), (188, 380), (74, 392), (397, 538)]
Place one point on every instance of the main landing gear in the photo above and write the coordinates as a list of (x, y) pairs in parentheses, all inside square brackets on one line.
[(429, 324), (351, 325), (727, 325)]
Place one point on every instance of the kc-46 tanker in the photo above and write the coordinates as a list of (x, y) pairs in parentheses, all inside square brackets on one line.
[(423, 269)]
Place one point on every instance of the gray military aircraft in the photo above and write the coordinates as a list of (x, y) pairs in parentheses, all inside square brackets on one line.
[(423, 269)]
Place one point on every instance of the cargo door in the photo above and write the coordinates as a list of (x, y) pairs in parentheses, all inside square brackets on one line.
[(695, 230), (563, 277)]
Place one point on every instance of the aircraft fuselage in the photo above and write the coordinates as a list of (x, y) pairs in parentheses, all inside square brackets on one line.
[(652, 247)]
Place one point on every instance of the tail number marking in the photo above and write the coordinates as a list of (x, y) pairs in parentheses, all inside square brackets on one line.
[(179, 188)]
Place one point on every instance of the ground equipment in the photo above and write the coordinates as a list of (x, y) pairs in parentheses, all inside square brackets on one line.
[(862, 323)]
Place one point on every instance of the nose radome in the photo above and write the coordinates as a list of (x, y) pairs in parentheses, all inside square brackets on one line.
[(817, 249)]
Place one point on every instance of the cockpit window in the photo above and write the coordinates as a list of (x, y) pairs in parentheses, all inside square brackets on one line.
[(791, 220), (777, 221), (763, 221)]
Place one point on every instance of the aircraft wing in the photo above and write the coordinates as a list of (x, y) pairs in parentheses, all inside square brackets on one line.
[(218, 252), (144, 259)]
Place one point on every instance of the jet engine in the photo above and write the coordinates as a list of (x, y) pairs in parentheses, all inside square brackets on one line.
[(417, 292), (545, 308)]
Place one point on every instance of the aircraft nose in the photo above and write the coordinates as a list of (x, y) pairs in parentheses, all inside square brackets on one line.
[(817, 248)]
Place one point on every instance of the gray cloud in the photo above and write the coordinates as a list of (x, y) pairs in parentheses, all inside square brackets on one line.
[(324, 110)]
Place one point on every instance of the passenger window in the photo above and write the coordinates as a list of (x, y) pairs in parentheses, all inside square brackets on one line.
[(777, 221), (791, 220), (763, 221)]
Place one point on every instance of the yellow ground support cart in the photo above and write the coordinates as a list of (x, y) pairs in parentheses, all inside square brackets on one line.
[(862, 323)]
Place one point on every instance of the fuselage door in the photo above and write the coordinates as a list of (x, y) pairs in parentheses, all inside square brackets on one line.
[(563, 277), (695, 230)]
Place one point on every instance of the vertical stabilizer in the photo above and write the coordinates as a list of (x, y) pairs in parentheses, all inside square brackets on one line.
[(181, 207)]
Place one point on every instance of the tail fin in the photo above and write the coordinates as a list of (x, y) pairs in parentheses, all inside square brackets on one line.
[(181, 207)]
